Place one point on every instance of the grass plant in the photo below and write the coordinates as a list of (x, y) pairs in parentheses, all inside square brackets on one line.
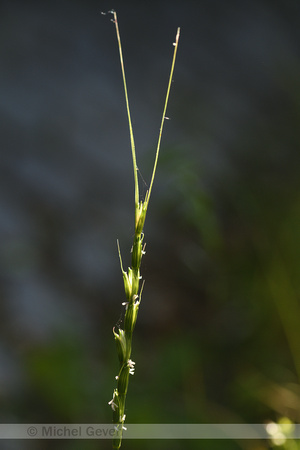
[(132, 277)]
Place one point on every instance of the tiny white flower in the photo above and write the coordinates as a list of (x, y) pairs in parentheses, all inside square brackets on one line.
[(119, 427), (131, 365), (113, 404)]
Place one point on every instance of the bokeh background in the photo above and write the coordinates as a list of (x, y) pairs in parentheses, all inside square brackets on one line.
[(217, 338)]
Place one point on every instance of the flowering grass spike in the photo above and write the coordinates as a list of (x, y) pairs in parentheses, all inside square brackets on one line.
[(132, 277)]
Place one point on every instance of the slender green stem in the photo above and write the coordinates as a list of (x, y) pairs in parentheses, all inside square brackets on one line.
[(164, 113), (136, 184), (132, 277)]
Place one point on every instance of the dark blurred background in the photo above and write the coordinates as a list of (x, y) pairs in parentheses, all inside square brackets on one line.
[(217, 338)]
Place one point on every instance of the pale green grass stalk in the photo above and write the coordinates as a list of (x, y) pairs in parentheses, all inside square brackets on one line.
[(132, 277)]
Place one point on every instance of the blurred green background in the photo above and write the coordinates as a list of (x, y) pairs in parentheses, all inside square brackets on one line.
[(217, 338)]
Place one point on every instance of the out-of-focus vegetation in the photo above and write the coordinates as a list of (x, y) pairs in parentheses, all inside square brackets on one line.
[(218, 338)]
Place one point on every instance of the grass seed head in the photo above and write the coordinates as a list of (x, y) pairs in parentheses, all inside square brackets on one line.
[(140, 217), (131, 316), (121, 345)]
